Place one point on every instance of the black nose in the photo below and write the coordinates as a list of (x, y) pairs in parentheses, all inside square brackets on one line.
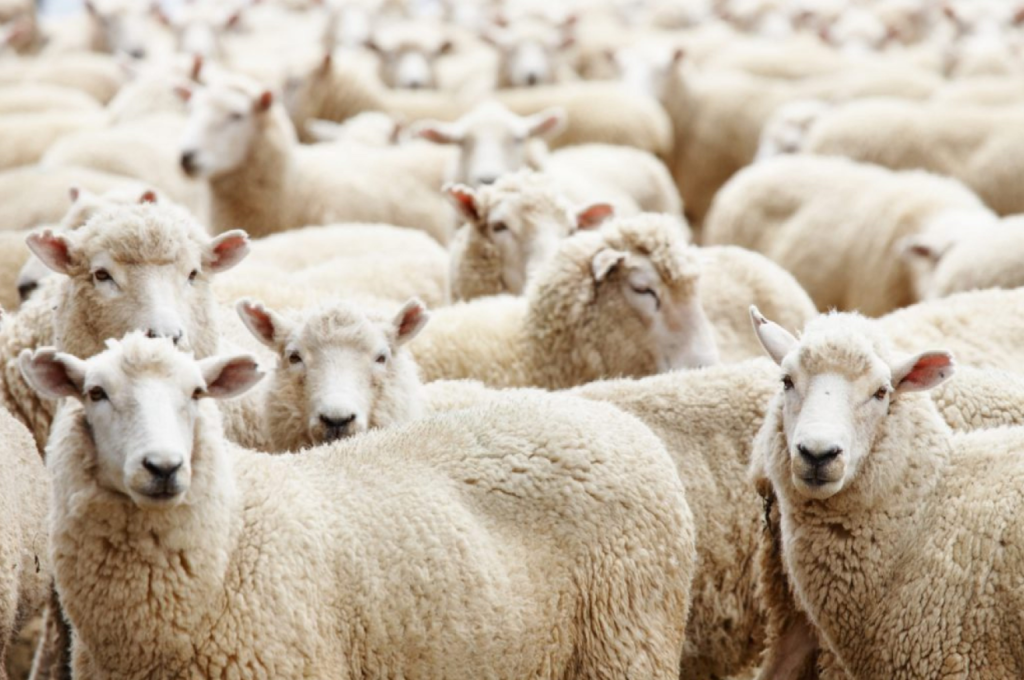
[(25, 289), (532, 79), (161, 471), (337, 423), (137, 53), (818, 457), (188, 161)]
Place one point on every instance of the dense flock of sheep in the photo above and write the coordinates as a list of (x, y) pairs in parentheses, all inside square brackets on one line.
[(512, 339)]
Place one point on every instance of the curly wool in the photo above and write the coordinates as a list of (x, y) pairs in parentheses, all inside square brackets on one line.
[(236, 579)]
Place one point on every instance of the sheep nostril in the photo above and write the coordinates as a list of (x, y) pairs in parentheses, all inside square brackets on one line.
[(161, 471), (819, 457)]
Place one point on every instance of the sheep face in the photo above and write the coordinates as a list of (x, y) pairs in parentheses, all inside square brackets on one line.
[(341, 371), (787, 129), (137, 268), (513, 227), (528, 54), (646, 70), (140, 399), (493, 141), (221, 126), (121, 27), (836, 392), (410, 65), (928, 255)]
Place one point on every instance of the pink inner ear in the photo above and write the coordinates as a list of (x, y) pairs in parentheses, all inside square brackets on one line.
[(594, 215), (927, 369), (229, 252), (261, 321), (51, 249), (410, 320), (148, 197), (466, 202), (235, 375), (433, 134)]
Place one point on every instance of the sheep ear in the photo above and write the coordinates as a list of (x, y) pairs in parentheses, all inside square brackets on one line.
[(263, 102), (232, 20), (52, 374), (73, 193), (923, 372), (266, 325), (410, 320), (463, 198), (924, 246), (605, 262), (776, 340), (226, 250), (54, 250), (229, 376), (594, 215), (148, 196), (184, 92), (444, 48), (547, 123), (197, 68), (437, 132)]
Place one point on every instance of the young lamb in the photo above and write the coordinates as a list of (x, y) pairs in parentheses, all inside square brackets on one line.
[(341, 370), (512, 227), (629, 300), (176, 553), (875, 492), (24, 558), (262, 181), (850, 259), (131, 267), (494, 141)]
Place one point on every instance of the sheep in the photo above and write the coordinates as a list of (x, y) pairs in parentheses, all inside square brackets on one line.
[(374, 128), (958, 260), (628, 300), (408, 55), (531, 53), (29, 193), (84, 204), (97, 75), (885, 489), (512, 227), (597, 112), (975, 145), (40, 97), (223, 617), (785, 208), (143, 266), (341, 370), (24, 558), (260, 180), (494, 141), (25, 137), (786, 129), (118, 26)]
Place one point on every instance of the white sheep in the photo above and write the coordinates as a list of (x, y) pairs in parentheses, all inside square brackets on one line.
[(877, 493), (408, 54), (341, 370), (978, 146), (512, 227), (849, 259), (24, 558), (494, 141), (260, 180), (41, 97), (194, 593), (98, 75), (531, 53), (25, 137), (630, 299)]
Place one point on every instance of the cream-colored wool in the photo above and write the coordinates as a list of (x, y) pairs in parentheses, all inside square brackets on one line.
[(149, 251), (13, 255), (32, 196), (511, 228), (341, 370), (558, 581), (977, 145), (25, 137), (24, 559), (579, 323), (40, 97), (893, 528), (849, 258), (98, 75), (275, 185)]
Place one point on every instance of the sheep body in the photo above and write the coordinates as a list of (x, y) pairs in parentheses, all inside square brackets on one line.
[(25, 137), (571, 557), (785, 208), (97, 75), (39, 97)]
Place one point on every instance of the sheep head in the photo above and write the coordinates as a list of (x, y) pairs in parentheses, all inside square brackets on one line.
[(140, 399), (839, 382), (341, 370)]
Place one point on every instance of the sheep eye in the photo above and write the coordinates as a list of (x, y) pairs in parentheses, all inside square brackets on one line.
[(101, 275), (648, 291), (198, 393), (881, 393), (235, 117), (294, 358), (382, 358), (787, 383), (97, 394), (499, 227), (192, 275)]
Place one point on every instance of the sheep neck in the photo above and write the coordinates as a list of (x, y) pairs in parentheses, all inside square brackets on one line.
[(859, 536), (255, 196), (154, 577)]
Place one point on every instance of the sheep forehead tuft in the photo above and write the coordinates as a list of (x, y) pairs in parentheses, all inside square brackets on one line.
[(136, 357), (531, 193), (659, 238), (843, 343), (342, 325), (147, 233)]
